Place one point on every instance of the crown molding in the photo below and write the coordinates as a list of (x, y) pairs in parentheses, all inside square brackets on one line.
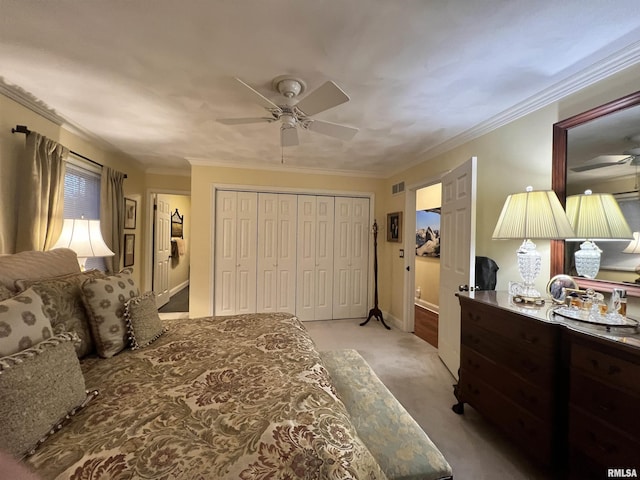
[(611, 65), (283, 168), (181, 172), (30, 102)]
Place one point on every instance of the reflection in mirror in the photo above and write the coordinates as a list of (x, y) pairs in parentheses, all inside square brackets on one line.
[(601, 157), (600, 150)]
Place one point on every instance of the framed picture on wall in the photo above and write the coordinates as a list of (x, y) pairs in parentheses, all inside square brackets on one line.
[(394, 227), (428, 233), (129, 249), (130, 207)]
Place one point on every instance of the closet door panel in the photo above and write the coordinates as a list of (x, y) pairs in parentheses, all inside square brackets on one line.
[(325, 215), (359, 257), (267, 252), (225, 253), (286, 253), (247, 252), (306, 268)]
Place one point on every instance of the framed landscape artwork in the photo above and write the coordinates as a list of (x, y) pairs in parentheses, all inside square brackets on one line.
[(130, 207), (428, 233)]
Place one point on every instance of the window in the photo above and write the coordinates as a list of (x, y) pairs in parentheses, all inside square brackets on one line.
[(82, 196)]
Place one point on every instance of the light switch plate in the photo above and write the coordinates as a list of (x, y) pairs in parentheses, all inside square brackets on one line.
[(402, 253)]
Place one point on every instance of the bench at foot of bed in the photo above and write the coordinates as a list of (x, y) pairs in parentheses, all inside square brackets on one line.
[(403, 450)]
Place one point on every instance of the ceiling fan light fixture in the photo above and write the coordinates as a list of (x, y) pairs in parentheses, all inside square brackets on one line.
[(288, 87)]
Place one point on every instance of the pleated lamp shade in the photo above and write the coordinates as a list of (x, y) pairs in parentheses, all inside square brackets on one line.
[(597, 216), (533, 214), (83, 237), (634, 245)]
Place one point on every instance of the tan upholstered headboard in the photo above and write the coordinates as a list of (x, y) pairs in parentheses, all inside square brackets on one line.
[(35, 265)]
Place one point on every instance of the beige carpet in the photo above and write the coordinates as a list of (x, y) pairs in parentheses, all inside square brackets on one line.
[(412, 370)]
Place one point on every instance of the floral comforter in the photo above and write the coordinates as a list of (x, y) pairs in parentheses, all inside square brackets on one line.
[(239, 397)]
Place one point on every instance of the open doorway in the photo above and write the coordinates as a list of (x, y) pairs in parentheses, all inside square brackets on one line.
[(169, 250)]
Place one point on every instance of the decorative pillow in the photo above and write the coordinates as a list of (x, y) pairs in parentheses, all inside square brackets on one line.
[(62, 300), (5, 292), (23, 322), (143, 322), (37, 265), (104, 299), (40, 388)]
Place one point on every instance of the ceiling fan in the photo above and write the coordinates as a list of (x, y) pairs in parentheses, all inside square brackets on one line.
[(632, 160), (293, 114)]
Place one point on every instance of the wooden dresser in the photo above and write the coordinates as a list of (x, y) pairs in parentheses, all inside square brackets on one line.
[(567, 395)]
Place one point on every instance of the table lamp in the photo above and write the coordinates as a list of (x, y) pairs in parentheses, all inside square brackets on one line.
[(594, 216), (83, 237), (533, 214)]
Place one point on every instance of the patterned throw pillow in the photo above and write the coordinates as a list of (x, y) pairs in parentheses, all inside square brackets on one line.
[(104, 299), (40, 388), (5, 292), (23, 322), (143, 322), (62, 299)]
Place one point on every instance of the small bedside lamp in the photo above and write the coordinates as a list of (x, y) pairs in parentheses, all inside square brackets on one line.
[(530, 215), (83, 237), (594, 216)]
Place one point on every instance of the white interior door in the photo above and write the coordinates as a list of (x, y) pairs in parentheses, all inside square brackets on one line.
[(325, 215), (287, 255), (306, 268), (246, 252), (457, 257), (161, 249)]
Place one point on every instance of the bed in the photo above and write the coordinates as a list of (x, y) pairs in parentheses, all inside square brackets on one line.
[(242, 397)]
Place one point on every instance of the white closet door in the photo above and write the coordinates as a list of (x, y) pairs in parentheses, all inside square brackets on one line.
[(314, 282), (276, 268), (351, 257), (325, 215), (306, 268), (235, 252), (287, 255)]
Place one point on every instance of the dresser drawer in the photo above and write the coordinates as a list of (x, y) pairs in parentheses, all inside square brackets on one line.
[(500, 376), (521, 331), (535, 368), (532, 434), (600, 442), (611, 405), (612, 370)]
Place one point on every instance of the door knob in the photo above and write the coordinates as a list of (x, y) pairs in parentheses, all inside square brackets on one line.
[(408, 269), (463, 288)]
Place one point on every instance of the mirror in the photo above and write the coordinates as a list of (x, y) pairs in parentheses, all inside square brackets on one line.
[(588, 152)]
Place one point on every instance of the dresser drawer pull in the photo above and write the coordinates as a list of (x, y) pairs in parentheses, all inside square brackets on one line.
[(612, 370), (472, 364), (529, 398), (605, 447), (528, 365), (472, 389), (528, 339), (473, 339)]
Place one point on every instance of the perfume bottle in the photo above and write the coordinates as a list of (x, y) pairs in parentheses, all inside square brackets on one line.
[(619, 295)]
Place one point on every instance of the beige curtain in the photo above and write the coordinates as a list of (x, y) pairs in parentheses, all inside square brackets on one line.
[(112, 215), (40, 193)]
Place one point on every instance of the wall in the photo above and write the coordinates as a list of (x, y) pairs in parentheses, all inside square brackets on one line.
[(427, 269), (203, 179), (12, 149)]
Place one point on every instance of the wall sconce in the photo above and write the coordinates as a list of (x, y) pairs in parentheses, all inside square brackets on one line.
[(83, 237), (531, 215), (594, 216)]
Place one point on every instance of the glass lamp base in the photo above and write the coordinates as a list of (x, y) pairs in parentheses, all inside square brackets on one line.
[(529, 265), (588, 259)]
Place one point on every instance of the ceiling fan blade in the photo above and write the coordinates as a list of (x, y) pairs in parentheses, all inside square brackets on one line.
[(289, 137), (322, 98), (258, 97), (242, 121), (332, 129), (594, 166)]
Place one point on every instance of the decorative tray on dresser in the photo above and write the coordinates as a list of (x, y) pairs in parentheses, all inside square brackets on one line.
[(565, 391)]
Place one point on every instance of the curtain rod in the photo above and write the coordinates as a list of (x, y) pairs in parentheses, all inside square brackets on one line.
[(26, 131)]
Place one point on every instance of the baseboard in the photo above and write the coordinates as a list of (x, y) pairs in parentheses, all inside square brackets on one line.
[(178, 288), (427, 305)]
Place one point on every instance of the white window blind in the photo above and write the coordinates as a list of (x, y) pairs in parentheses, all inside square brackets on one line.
[(82, 197)]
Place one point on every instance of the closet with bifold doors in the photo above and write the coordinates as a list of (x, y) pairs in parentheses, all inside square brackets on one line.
[(287, 252)]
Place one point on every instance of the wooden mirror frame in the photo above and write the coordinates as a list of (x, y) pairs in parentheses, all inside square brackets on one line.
[(559, 183)]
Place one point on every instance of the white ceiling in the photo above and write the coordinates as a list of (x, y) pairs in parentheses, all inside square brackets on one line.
[(150, 78)]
